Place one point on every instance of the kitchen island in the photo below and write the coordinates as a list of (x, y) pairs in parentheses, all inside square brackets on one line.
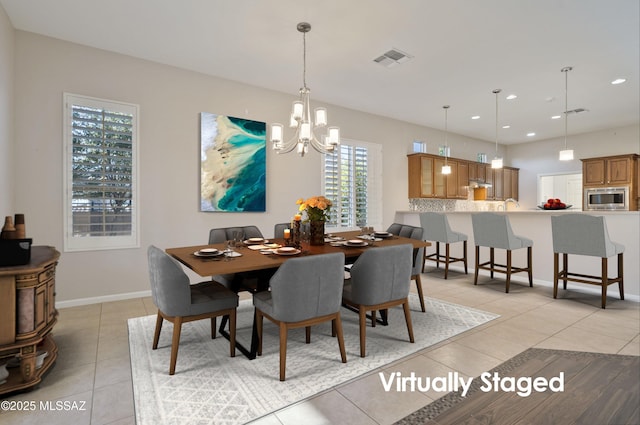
[(623, 227)]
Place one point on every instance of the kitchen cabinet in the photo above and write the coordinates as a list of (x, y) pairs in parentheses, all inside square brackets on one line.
[(27, 316), (504, 183), (427, 181), (510, 183), (424, 181), (439, 179), (593, 172), (458, 180), (614, 171), (477, 172), (497, 184)]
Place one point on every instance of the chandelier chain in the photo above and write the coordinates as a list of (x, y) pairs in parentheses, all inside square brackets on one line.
[(304, 60), (566, 102), (496, 91)]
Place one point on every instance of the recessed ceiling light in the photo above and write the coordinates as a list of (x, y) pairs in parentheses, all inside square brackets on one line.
[(511, 97), (531, 134), (556, 117), (506, 126), (619, 81), (475, 117)]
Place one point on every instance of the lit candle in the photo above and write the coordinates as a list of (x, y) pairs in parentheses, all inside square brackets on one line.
[(297, 217), (287, 233)]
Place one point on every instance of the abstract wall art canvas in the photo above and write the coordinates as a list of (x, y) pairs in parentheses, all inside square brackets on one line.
[(232, 164)]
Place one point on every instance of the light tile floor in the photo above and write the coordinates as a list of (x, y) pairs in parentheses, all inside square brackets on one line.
[(93, 364)]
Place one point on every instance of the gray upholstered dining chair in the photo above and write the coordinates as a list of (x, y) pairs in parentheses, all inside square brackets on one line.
[(241, 281), (380, 280), (412, 232), (437, 229), (222, 234), (179, 302), (582, 234), (304, 291), (278, 228), (493, 231)]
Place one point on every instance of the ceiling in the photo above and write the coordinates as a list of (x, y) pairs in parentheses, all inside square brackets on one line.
[(461, 51)]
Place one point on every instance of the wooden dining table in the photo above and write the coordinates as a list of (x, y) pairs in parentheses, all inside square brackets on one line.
[(251, 260)]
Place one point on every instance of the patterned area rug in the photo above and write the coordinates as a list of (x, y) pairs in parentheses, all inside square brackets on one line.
[(599, 389), (210, 387)]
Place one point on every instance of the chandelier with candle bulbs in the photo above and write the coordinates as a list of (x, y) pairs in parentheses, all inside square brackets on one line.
[(300, 118)]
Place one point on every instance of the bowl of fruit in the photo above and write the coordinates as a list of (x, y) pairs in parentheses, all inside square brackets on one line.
[(554, 204)]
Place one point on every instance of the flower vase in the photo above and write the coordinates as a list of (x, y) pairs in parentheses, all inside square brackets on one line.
[(316, 232), (296, 234)]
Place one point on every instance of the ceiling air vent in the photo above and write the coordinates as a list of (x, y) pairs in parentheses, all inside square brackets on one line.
[(392, 58)]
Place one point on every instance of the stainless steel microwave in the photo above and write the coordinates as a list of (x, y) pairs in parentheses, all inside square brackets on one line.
[(606, 198)]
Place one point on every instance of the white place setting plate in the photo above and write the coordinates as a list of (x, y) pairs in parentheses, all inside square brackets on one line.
[(355, 243), (253, 241), (286, 250), (208, 252), (383, 234)]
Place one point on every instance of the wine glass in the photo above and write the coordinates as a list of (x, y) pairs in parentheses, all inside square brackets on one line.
[(372, 234), (231, 243), (238, 237), (305, 237)]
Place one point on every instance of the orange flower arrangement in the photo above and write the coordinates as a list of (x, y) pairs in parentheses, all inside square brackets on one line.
[(316, 207)]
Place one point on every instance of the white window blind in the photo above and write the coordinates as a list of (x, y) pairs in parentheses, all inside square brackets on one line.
[(101, 144), (352, 178)]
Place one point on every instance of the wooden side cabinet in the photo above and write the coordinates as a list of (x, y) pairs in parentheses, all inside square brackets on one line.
[(27, 316)]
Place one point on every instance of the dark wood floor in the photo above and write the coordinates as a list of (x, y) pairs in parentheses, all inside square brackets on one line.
[(599, 389)]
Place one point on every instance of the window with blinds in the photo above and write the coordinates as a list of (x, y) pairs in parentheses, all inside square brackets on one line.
[(100, 175), (351, 178)]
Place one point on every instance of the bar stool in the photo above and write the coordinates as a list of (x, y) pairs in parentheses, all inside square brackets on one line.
[(580, 234), (436, 228), (494, 231)]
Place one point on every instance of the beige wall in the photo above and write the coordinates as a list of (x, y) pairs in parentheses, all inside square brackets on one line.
[(538, 158), (170, 101), (6, 115)]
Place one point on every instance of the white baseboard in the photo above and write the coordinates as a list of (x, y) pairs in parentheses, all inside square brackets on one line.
[(102, 299), (574, 287)]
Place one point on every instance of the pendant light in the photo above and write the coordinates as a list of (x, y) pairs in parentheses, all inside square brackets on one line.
[(496, 162), (446, 168), (566, 154)]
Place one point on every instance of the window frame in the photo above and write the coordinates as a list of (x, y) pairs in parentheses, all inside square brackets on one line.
[(73, 243), (374, 184)]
